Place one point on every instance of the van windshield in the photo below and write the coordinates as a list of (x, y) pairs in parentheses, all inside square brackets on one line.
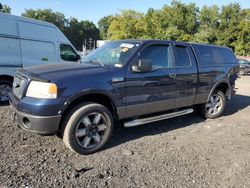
[(114, 53)]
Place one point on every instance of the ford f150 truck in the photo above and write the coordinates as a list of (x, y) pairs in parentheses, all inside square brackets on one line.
[(136, 81)]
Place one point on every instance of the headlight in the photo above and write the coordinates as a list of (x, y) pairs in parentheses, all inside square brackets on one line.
[(42, 90)]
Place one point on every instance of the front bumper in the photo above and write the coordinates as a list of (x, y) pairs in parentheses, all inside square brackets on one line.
[(44, 125), (36, 123)]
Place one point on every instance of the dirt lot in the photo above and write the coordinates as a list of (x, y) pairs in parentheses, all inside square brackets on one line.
[(180, 152)]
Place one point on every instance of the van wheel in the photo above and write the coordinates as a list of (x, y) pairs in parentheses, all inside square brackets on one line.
[(215, 106), (5, 89), (88, 127)]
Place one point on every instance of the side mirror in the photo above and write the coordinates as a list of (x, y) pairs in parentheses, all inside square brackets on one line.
[(144, 65)]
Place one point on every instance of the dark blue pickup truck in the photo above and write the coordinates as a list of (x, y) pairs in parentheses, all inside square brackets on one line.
[(136, 81)]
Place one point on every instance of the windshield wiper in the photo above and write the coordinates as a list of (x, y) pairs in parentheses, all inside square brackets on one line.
[(95, 62)]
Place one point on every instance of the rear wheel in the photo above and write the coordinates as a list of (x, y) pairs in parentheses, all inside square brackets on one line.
[(88, 128), (215, 106), (5, 89)]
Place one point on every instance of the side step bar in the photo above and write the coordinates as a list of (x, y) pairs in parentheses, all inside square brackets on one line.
[(137, 122)]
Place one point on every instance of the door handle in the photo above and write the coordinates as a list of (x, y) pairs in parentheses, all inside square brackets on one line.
[(173, 76)]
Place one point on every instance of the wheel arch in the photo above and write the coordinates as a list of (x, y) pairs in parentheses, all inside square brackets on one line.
[(6, 77), (223, 86), (91, 96)]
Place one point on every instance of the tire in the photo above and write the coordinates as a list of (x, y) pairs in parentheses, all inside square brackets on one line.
[(215, 107), (5, 88), (242, 72), (88, 127)]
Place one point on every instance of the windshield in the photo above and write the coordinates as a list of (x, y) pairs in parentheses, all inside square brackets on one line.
[(114, 53)]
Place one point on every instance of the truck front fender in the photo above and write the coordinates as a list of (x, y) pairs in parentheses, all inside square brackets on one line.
[(93, 91)]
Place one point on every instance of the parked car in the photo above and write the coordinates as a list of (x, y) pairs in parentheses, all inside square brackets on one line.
[(135, 81), (244, 66), (26, 42)]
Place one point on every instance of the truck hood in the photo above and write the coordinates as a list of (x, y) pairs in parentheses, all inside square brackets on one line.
[(60, 67), (61, 70)]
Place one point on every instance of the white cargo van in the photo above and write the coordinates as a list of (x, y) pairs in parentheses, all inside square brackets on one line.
[(27, 42)]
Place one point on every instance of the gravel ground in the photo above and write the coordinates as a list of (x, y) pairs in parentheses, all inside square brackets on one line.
[(181, 152)]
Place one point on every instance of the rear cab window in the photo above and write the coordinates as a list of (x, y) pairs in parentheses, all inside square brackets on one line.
[(182, 58), (214, 55)]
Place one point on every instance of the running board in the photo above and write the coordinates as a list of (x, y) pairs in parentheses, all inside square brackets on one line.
[(157, 118)]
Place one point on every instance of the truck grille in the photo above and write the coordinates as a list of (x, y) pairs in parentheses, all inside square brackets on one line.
[(19, 85)]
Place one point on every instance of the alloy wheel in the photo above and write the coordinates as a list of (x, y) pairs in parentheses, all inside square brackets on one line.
[(214, 105), (91, 129)]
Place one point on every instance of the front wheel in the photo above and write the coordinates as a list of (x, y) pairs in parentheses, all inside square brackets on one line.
[(215, 106), (88, 128), (5, 89)]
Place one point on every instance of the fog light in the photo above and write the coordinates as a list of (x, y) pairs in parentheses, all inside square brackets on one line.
[(26, 123)]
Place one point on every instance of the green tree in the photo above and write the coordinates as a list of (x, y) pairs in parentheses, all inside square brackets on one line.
[(229, 22), (154, 24), (227, 26), (208, 25), (205, 35), (6, 9), (175, 22), (127, 25), (242, 44), (184, 16), (47, 15), (103, 26), (79, 31), (209, 16)]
